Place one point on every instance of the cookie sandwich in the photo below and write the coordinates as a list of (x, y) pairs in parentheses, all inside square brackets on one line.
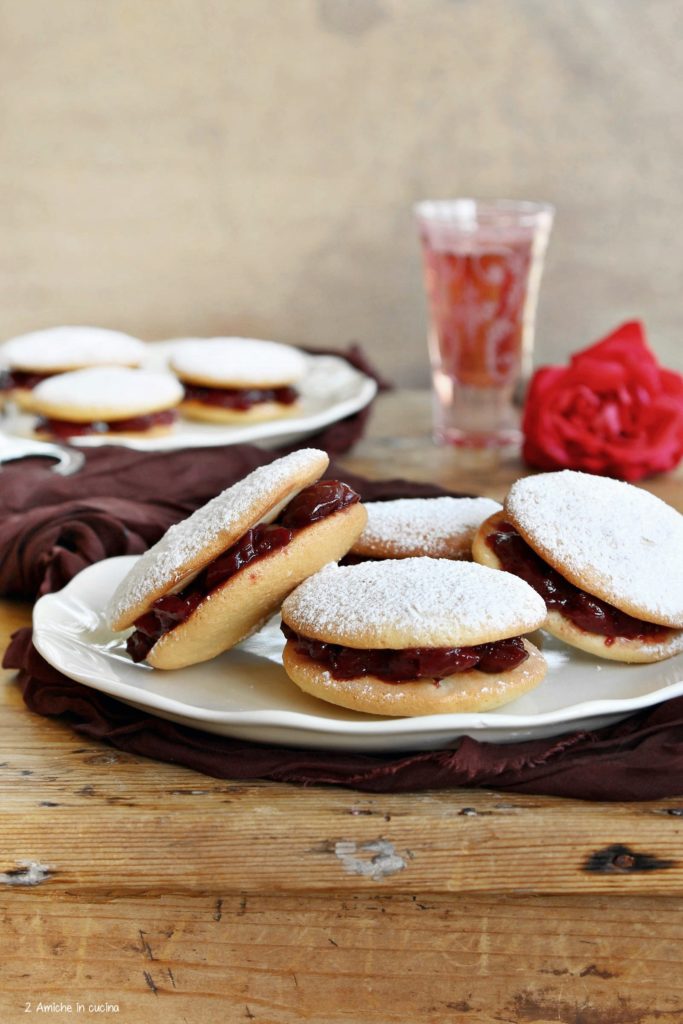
[(606, 557), (419, 636), (217, 576), (238, 380), (32, 358), (413, 527), (106, 401)]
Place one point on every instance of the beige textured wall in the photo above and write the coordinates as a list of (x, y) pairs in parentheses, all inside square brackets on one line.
[(248, 166)]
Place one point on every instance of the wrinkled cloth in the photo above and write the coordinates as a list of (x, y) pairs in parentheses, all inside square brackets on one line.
[(638, 759)]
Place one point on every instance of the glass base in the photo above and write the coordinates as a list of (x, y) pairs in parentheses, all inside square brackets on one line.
[(511, 438), (470, 417)]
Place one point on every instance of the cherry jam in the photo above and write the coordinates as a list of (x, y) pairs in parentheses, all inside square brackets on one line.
[(585, 611), (21, 379), (166, 613), (137, 424), (317, 502), (255, 543), (313, 503), (395, 666), (240, 399)]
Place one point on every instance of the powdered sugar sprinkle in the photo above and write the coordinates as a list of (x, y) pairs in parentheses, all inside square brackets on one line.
[(238, 361), (429, 602), (71, 348), (626, 543), (110, 388), (430, 526)]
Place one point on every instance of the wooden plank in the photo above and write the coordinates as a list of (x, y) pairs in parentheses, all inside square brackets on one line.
[(351, 958), (108, 823)]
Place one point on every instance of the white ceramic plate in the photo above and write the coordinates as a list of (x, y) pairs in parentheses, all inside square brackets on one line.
[(331, 390), (246, 693)]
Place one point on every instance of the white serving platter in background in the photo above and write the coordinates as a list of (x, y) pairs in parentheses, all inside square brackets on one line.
[(246, 694), (330, 391)]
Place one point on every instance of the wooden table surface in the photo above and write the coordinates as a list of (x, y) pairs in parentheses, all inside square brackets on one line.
[(141, 892)]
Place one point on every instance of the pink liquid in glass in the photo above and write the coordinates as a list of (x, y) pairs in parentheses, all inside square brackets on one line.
[(481, 281), (476, 301)]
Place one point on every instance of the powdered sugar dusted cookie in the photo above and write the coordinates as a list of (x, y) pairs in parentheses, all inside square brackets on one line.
[(417, 636), (237, 362), (411, 527), (59, 349), (606, 556), (215, 577), (237, 380), (106, 400), (32, 358)]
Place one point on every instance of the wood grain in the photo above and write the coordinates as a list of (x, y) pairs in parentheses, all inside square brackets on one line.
[(352, 958), (108, 824)]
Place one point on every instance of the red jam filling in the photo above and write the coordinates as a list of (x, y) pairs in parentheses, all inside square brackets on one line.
[(585, 611), (10, 379), (134, 424), (412, 663), (240, 399), (313, 503)]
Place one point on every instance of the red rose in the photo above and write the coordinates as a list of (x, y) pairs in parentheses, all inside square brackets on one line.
[(613, 411)]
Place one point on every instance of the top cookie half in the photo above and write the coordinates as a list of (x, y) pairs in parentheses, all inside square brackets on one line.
[(57, 349), (237, 362), (414, 602), (410, 527), (616, 541), (190, 545)]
